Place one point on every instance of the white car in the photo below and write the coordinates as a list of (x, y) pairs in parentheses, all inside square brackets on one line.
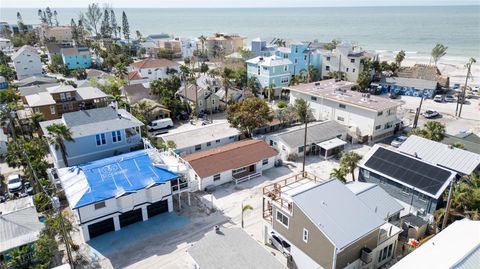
[(14, 183), (449, 98), (280, 244), (398, 141)]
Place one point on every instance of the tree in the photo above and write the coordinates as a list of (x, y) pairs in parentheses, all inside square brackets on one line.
[(458, 145), (286, 115), (139, 35), (240, 115), (55, 17), (438, 52), (246, 53), (80, 73), (120, 71), (432, 130), (461, 99), (332, 45), (41, 15), (125, 27), (244, 209), (303, 111), (400, 57), (93, 16), (269, 91), (5, 59), (7, 72), (364, 79), (49, 14), (109, 85), (58, 134), (35, 121), (105, 28), (339, 173), (226, 75), (19, 258), (44, 249), (349, 162), (253, 85), (338, 75), (21, 26), (74, 27), (113, 23)]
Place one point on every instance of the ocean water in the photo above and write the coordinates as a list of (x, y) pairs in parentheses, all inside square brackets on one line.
[(385, 29)]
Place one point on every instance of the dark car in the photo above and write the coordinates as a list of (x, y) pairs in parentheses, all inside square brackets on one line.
[(392, 95)]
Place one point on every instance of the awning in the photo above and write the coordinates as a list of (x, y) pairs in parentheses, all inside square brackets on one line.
[(332, 143)]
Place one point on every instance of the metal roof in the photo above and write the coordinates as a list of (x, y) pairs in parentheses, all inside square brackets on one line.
[(95, 121), (458, 246), (111, 177), (40, 99), (459, 160), (471, 142), (231, 248), (337, 212), (376, 198), (331, 144), (316, 133), (414, 173), (87, 93)]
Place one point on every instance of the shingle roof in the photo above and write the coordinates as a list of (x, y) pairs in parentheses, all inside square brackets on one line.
[(28, 90), (201, 135), (231, 156), (61, 88), (136, 92), (35, 80), (23, 49), (154, 63), (317, 132), (337, 212), (134, 75), (456, 159), (376, 198), (231, 248), (189, 92), (95, 121)]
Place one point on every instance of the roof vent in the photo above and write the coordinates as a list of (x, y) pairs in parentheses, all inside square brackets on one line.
[(415, 154)]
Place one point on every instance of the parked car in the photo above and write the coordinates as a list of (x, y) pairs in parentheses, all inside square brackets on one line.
[(449, 98), (438, 98), (430, 114), (14, 183), (392, 95), (280, 244), (398, 141), (160, 124)]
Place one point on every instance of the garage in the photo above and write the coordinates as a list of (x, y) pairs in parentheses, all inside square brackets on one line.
[(101, 227), (130, 217), (157, 208)]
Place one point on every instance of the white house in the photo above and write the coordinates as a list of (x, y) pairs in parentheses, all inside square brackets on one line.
[(202, 138), (27, 62), (323, 138), (153, 68), (6, 45), (368, 117), (111, 193), (345, 58), (237, 161)]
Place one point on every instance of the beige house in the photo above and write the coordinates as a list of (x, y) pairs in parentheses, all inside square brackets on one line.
[(55, 33), (207, 100), (221, 44)]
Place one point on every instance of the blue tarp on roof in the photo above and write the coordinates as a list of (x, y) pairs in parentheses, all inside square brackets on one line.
[(118, 175)]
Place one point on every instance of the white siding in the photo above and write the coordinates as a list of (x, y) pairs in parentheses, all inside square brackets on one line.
[(27, 64)]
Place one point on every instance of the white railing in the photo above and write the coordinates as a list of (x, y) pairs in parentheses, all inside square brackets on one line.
[(247, 177)]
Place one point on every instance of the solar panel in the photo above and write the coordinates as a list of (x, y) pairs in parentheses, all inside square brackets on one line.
[(409, 170)]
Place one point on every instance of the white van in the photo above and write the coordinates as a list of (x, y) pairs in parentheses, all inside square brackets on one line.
[(160, 124)]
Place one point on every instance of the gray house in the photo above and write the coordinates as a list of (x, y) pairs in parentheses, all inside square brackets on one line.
[(417, 184), (98, 133)]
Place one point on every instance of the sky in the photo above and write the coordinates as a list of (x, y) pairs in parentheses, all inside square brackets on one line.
[(227, 3)]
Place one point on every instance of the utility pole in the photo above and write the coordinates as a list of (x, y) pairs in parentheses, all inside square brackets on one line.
[(447, 208), (469, 74), (417, 114), (56, 207)]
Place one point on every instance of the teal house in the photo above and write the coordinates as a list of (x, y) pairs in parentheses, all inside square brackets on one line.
[(272, 71), (75, 57), (301, 56)]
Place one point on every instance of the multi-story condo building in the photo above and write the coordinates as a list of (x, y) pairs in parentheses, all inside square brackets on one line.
[(74, 58), (97, 133), (54, 101), (345, 58), (26, 62), (301, 56), (270, 71), (323, 224), (368, 117), (221, 44)]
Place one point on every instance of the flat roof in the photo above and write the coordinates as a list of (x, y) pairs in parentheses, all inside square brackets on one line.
[(419, 84), (40, 99), (228, 157), (87, 93), (409, 171), (111, 177), (339, 91), (332, 143), (231, 248), (458, 246), (337, 212), (201, 135), (459, 160)]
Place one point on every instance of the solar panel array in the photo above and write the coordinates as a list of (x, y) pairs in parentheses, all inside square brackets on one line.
[(409, 170)]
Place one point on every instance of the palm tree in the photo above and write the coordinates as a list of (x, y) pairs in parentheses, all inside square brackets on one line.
[(303, 110), (226, 75), (312, 73), (461, 99), (120, 70), (400, 57), (192, 80), (7, 115), (349, 162), (57, 135), (253, 85), (203, 40), (118, 100), (339, 173), (269, 91), (245, 208), (432, 130), (438, 52), (35, 121), (338, 75)]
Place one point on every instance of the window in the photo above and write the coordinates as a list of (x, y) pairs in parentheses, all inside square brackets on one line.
[(313, 98), (378, 127), (352, 60), (295, 60), (99, 205), (258, 70), (67, 106), (52, 110), (285, 56), (116, 136), (342, 106), (366, 174), (380, 113), (340, 118), (68, 95), (36, 110), (282, 218), (305, 235), (265, 161), (209, 144), (353, 71), (62, 96), (328, 58), (100, 138), (285, 68), (284, 80), (296, 49), (265, 68), (149, 71), (300, 149), (390, 112), (198, 147), (347, 69), (217, 141), (231, 137), (305, 57), (422, 197), (216, 177), (388, 125), (327, 68), (239, 170)]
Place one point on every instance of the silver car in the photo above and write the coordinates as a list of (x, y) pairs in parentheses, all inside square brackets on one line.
[(398, 141), (280, 244)]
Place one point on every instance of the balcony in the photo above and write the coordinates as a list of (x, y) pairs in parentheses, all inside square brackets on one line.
[(132, 137)]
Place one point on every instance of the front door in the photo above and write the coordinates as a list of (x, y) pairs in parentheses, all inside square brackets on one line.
[(252, 168)]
